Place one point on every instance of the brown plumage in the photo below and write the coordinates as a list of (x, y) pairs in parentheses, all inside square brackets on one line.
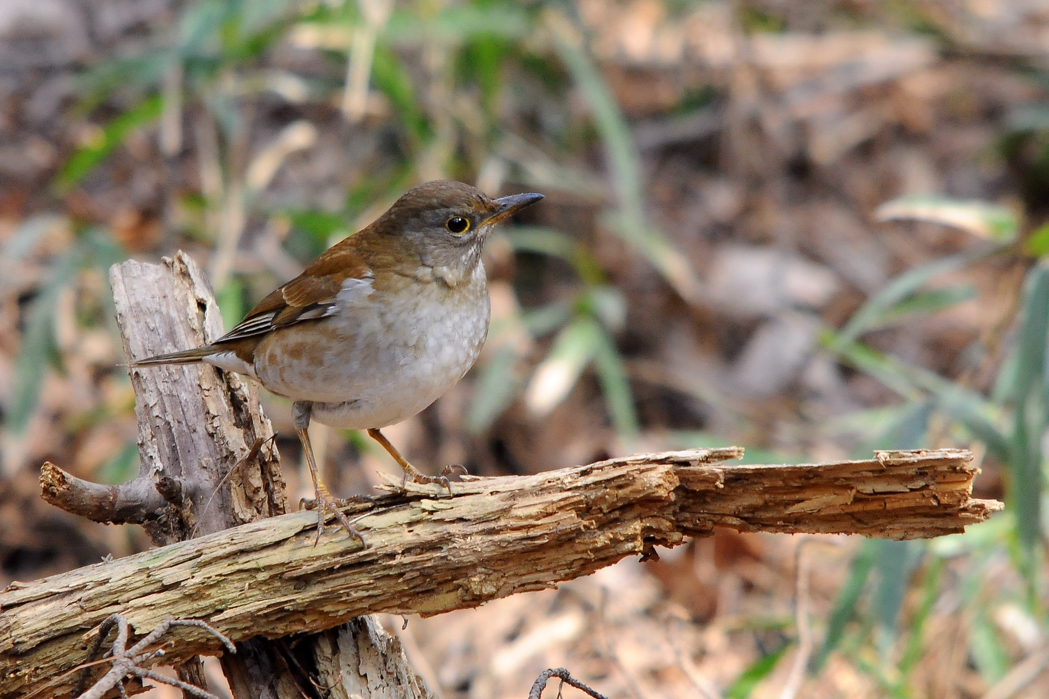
[(377, 327)]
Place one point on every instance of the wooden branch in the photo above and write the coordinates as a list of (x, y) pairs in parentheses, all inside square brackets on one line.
[(196, 424), (208, 463), (429, 553)]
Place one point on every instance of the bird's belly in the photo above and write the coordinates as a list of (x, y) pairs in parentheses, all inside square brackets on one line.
[(377, 365)]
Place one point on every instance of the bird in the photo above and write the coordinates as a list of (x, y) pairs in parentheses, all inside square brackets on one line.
[(375, 329)]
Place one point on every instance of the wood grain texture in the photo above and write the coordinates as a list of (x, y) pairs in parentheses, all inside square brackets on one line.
[(196, 423), (429, 553), (207, 463)]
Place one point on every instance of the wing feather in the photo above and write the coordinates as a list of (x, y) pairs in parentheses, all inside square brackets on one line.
[(309, 296)]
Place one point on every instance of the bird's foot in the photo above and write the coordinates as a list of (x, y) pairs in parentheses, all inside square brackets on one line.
[(324, 501), (418, 476)]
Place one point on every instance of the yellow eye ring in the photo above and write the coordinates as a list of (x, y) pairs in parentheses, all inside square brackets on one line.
[(457, 224)]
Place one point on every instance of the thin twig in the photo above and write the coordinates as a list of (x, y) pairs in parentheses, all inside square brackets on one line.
[(129, 661), (561, 673), (610, 649), (705, 687), (1022, 674), (801, 617)]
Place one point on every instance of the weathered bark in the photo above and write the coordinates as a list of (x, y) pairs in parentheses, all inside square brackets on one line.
[(197, 425), (208, 460), (428, 553), (205, 445)]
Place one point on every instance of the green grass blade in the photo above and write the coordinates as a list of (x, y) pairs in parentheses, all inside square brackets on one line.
[(894, 563), (38, 344), (390, 78), (967, 408), (547, 241), (875, 310), (612, 374), (1030, 395), (459, 23), (85, 158), (630, 222), (573, 349), (930, 593), (498, 383), (231, 302), (759, 670), (926, 303), (845, 604), (1034, 329), (981, 218), (987, 650), (545, 319)]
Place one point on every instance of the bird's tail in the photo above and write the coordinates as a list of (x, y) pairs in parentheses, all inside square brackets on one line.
[(191, 356)]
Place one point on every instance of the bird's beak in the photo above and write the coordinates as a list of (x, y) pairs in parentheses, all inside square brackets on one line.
[(508, 206)]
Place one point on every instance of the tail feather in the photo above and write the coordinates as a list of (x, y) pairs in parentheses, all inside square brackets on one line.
[(191, 356)]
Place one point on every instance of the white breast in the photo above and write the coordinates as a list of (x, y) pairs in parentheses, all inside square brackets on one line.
[(404, 355)]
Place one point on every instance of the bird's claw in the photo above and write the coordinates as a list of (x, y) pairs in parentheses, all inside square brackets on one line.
[(419, 477), (324, 501)]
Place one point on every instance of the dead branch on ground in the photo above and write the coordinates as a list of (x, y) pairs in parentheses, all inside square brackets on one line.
[(429, 553)]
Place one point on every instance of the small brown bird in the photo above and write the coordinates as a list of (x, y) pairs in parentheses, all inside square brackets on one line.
[(377, 327)]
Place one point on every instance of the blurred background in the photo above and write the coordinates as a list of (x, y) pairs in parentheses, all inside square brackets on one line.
[(809, 229)]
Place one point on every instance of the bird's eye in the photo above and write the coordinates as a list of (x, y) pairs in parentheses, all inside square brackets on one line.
[(457, 224)]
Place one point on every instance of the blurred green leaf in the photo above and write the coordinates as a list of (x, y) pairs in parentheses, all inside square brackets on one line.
[(616, 386), (573, 349), (497, 386), (926, 303), (258, 17), (762, 668), (630, 222), (1037, 244), (121, 468), (543, 321), (91, 248), (968, 408), (930, 593), (883, 304), (908, 430), (231, 302), (38, 343), (390, 77), (319, 225), (459, 22), (1030, 351), (980, 218), (845, 604), (874, 425), (987, 650), (606, 303), (1029, 395), (547, 241), (482, 59), (28, 234), (894, 561), (200, 23), (85, 158)]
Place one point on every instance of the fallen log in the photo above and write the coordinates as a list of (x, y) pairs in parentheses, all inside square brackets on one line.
[(428, 552)]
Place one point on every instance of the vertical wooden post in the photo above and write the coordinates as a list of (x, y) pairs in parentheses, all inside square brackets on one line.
[(207, 448)]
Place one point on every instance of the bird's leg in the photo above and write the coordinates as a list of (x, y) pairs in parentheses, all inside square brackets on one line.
[(409, 470), (324, 499)]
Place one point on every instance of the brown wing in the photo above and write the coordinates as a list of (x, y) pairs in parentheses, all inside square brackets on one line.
[(309, 296)]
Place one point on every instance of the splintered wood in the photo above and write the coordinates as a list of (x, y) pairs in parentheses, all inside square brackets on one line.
[(429, 553)]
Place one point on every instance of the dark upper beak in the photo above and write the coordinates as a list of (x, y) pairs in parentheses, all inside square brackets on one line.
[(508, 206)]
